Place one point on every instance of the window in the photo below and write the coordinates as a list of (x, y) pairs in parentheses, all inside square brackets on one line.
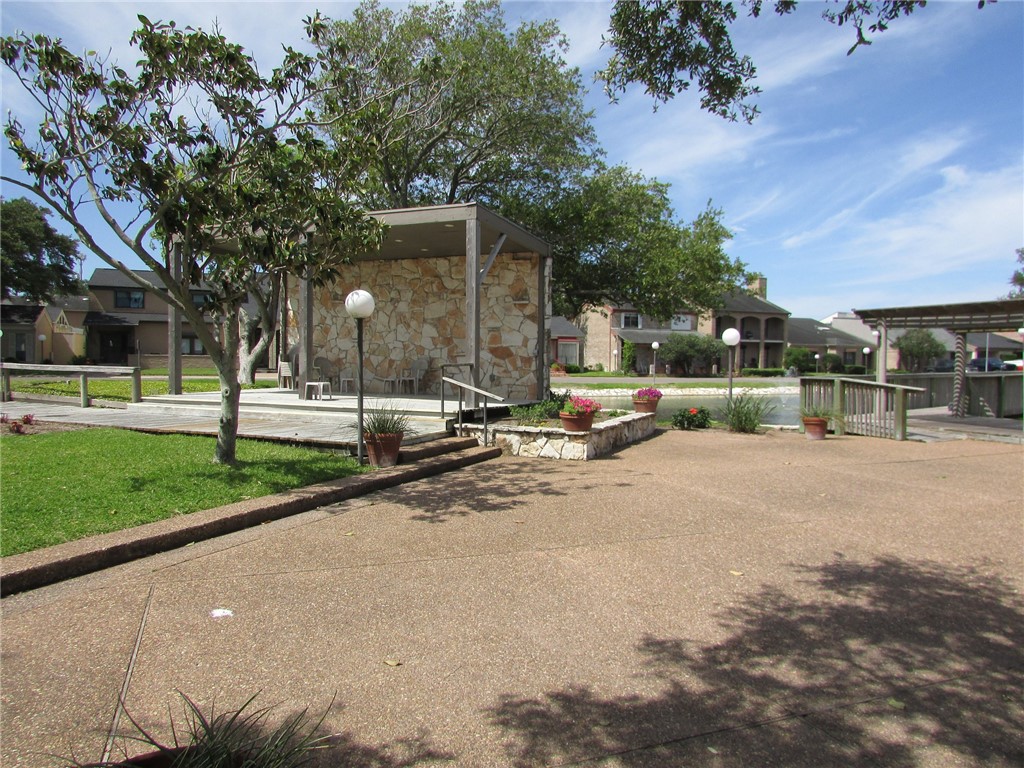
[(200, 299), (569, 352), (191, 346), (630, 320), (682, 322), (129, 298)]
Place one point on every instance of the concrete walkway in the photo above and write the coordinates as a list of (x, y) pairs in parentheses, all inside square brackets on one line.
[(699, 599)]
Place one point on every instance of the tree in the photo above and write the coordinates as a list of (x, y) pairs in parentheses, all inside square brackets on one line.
[(472, 108), (615, 240), (689, 351), (178, 160), (917, 348), (800, 358), (38, 262), (668, 45), (1017, 279)]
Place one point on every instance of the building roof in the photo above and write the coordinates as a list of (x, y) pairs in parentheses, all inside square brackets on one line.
[(16, 312), (748, 303), (561, 328), (123, 319), (808, 332), (645, 335), (104, 277)]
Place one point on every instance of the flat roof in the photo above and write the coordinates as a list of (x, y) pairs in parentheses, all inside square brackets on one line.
[(440, 230)]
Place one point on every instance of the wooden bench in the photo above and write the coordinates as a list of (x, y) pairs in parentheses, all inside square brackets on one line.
[(84, 373)]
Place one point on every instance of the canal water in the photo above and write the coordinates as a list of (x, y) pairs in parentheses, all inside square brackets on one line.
[(786, 413)]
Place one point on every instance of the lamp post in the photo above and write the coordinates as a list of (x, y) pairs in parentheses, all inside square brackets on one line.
[(360, 305), (615, 360), (654, 369), (731, 337), (42, 348), (866, 351), (1020, 332), (880, 358), (817, 357)]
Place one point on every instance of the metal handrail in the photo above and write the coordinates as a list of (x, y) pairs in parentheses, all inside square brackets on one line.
[(444, 369), (464, 386)]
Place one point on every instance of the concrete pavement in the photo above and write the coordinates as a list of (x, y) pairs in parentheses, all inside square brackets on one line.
[(701, 598)]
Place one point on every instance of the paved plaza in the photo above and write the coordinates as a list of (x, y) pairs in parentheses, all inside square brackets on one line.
[(698, 599)]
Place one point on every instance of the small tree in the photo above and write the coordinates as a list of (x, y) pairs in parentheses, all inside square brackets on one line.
[(800, 358), (917, 348), (38, 262), (1017, 278), (182, 160), (689, 351)]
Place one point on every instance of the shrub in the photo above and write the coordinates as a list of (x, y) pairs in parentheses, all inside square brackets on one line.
[(573, 369), (855, 370), (598, 367), (763, 372), (28, 418), (628, 356), (542, 411), (692, 418), (833, 363), (745, 413), (79, 360)]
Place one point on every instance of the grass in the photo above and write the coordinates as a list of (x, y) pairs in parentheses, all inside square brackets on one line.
[(723, 384), (119, 390), (61, 486)]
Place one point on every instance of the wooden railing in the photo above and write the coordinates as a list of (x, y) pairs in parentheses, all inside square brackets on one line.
[(84, 373), (861, 407)]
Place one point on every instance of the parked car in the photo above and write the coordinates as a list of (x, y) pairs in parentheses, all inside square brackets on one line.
[(988, 364), (1014, 365), (940, 366)]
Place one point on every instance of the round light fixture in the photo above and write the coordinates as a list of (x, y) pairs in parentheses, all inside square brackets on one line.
[(360, 304), (731, 337)]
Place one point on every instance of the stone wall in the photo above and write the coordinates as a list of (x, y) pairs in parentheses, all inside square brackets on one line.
[(421, 314), (554, 443)]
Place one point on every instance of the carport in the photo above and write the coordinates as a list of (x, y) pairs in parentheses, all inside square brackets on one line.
[(999, 316)]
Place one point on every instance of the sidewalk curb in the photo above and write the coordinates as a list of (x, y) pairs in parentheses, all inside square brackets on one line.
[(31, 570)]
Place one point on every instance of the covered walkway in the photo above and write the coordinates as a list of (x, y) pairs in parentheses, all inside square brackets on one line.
[(1000, 316)]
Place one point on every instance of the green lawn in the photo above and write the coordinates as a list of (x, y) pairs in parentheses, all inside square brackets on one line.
[(646, 382), (61, 486), (118, 389)]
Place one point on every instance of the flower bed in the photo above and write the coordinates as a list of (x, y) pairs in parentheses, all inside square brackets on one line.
[(554, 443)]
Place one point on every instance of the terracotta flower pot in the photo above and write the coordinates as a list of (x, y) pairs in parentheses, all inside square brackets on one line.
[(576, 422), (382, 449), (649, 405), (815, 427)]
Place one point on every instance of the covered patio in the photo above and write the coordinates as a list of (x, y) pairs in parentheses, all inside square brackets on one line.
[(459, 290), (999, 316)]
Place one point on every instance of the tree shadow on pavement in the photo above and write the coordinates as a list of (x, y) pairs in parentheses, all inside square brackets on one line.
[(503, 487), (889, 663)]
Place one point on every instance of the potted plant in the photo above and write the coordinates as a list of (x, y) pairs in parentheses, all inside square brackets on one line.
[(815, 419), (578, 414), (384, 428), (646, 400)]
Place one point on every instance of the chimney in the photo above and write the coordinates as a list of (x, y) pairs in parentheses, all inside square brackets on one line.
[(759, 286)]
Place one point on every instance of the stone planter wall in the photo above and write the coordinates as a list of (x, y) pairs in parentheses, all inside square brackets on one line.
[(555, 443)]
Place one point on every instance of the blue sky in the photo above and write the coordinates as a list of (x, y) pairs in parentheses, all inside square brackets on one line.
[(891, 177)]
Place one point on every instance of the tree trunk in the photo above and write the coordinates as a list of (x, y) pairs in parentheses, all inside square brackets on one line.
[(230, 391)]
